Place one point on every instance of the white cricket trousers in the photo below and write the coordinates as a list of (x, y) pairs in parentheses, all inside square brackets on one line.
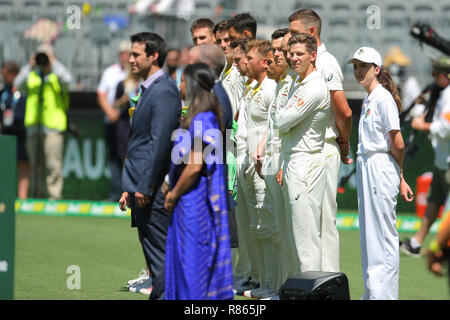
[(378, 182), (285, 260), (261, 228), (304, 181), (329, 233), (244, 260)]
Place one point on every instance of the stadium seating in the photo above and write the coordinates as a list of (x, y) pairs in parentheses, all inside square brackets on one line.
[(346, 26)]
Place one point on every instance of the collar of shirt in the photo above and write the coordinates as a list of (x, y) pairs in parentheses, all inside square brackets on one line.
[(147, 83), (309, 77), (321, 49), (373, 93)]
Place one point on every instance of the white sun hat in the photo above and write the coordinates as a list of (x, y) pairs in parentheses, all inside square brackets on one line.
[(368, 55)]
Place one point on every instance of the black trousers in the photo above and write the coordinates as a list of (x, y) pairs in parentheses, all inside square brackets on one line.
[(152, 223)]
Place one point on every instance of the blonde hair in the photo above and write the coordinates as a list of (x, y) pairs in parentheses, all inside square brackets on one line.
[(262, 46)]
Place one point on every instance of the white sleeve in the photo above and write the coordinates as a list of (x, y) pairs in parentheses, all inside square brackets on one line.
[(333, 74), (389, 116), (103, 86), (21, 78), (61, 72), (441, 126), (297, 109)]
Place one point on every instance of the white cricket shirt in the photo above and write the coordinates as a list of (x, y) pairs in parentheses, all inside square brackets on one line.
[(258, 111), (440, 130), (327, 64), (302, 123), (379, 115)]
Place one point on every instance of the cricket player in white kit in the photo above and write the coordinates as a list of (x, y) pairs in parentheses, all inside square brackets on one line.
[(246, 265), (379, 176), (257, 113), (302, 125), (338, 127), (268, 164)]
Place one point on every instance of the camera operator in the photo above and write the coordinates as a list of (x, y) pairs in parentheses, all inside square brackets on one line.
[(439, 131), (45, 81)]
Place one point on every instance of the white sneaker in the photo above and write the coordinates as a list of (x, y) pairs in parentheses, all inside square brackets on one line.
[(142, 286), (143, 275)]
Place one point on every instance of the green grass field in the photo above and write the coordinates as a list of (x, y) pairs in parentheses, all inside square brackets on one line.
[(108, 254)]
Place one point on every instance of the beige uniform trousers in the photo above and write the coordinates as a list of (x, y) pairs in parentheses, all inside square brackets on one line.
[(45, 152), (329, 231), (304, 182)]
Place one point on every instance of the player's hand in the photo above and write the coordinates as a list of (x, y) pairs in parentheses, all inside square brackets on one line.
[(113, 115), (165, 188), (142, 200), (435, 262), (344, 147), (406, 191), (418, 123), (170, 202), (258, 168), (123, 201), (280, 177)]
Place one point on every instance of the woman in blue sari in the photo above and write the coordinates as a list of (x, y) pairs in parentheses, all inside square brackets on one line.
[(198, 254)]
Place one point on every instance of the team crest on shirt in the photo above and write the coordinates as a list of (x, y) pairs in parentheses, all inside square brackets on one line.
[(367, 113)]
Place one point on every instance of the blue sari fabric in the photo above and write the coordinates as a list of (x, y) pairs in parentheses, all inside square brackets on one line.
[(198, 253)]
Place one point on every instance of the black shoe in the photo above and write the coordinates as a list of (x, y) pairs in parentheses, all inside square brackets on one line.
[(406, 248)]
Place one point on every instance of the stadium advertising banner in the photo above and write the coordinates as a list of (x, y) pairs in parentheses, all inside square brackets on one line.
[(8, 187), (85, 170)]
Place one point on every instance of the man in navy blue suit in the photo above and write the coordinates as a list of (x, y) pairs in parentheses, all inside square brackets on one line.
[(156, 116)]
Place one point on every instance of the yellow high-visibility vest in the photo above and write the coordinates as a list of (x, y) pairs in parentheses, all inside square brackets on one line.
[(52, 112)]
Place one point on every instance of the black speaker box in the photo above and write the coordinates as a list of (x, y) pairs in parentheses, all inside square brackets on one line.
[(315, 285)]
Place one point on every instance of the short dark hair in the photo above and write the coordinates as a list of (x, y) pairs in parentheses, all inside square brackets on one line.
[(153, 43), (308, 40), (308, 17), (242, 22), (220, 27), (280, 33), (11, 67), (239, 43), (202, 23)]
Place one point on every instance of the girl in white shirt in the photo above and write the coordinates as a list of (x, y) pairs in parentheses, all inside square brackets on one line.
[(379, 176)]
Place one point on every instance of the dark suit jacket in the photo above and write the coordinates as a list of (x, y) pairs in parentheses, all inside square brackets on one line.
[(227, 112), (156, 116)]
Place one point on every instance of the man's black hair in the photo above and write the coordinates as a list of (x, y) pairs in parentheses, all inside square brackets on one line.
[(279, 33), (153, 43), (242, 22)]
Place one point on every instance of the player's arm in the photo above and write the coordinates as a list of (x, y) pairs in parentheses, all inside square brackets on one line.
[(343, 115), (111, 113), (296, 111), (397, 150)]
